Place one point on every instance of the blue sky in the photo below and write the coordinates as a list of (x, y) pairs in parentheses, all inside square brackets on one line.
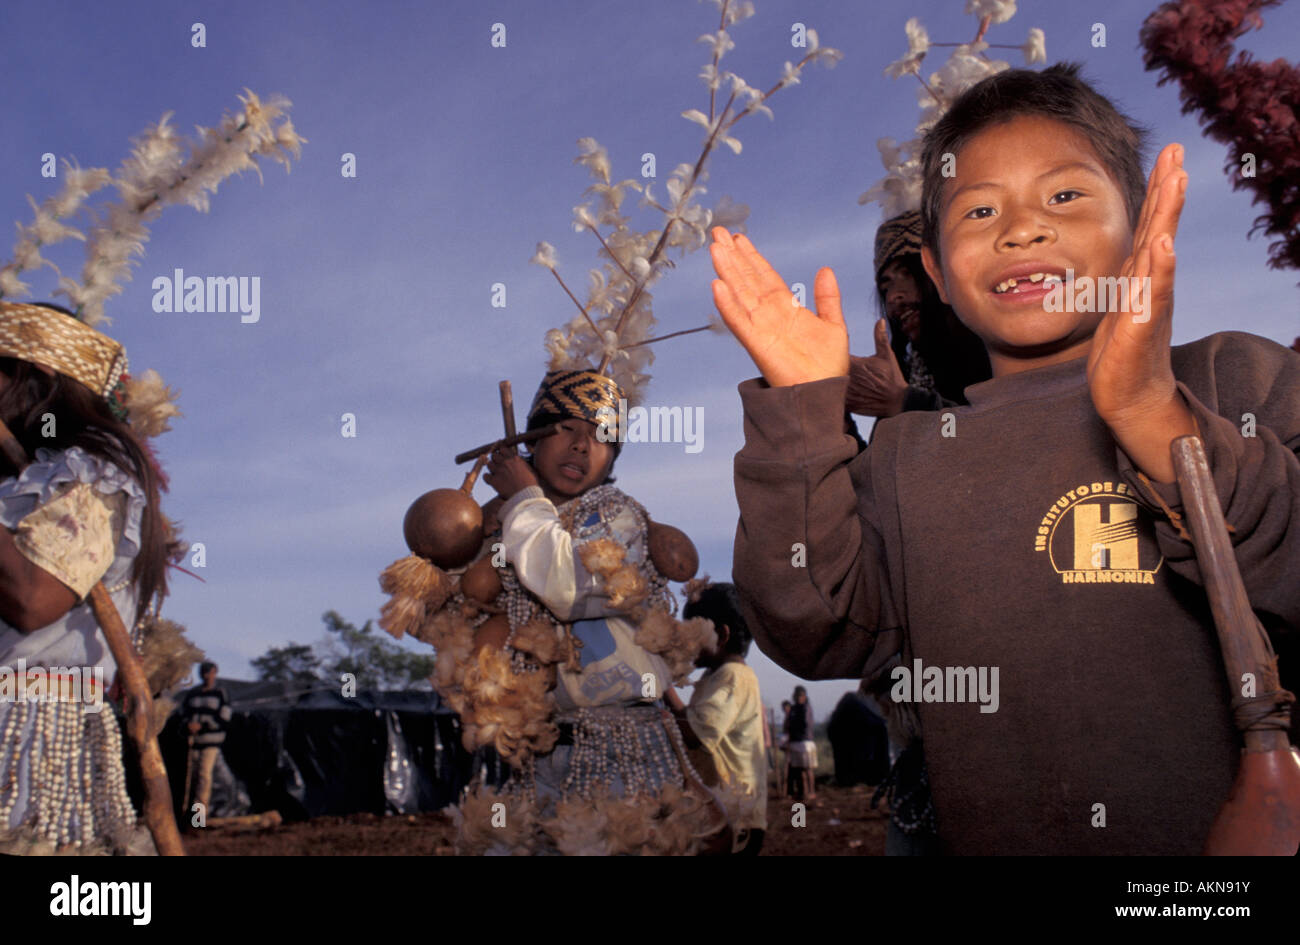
[(376, 290)]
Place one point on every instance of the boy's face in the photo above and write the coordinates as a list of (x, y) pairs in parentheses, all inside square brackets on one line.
[(1029, 197), (573, 460)]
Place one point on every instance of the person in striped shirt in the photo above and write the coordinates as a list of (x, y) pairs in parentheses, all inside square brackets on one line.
[(206, 710)]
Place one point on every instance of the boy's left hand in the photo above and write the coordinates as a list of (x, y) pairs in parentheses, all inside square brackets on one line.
[(1130, 374)]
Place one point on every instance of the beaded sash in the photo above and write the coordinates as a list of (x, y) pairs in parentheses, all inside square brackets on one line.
[(68, 764)]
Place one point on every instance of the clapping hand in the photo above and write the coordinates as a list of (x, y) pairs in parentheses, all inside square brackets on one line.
[(1130, 371), (789, 344)]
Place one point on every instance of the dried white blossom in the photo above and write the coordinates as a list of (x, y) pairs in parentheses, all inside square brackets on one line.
[(964, 70), (719, 43), (753, 98), (582, 218), (789, 75), (998, 11), (10, 284), (47, 227), (78, 184), (611, 201), (600, 298), (730, 215), (545, 256), (826, 56), (593, 157), (701, 119), (735, 11), (918, 44), (1035, 47), (610, 347)]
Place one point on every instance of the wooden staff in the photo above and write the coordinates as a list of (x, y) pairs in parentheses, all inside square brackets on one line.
[(139, 703), (508, 408), (1261, 816), (530, 437)]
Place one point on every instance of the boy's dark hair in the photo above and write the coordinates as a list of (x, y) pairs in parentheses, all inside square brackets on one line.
[(720, 603), (205, 667), (1057, 93)]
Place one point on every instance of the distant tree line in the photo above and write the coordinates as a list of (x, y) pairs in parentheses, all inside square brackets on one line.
[(374, 660)]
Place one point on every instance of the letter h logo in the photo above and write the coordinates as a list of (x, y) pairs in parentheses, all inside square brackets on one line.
[(1105, 536)]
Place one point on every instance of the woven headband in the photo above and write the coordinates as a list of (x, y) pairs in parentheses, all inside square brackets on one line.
[(898, 237), (61, 343), (582, 395)]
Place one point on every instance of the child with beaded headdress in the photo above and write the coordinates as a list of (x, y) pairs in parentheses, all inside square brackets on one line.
[(556, 641), (85, 509), (588, 611)]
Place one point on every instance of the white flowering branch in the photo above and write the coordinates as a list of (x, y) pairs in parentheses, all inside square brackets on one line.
[(47, 228), (616, 323), (155, 175), (900, 189)]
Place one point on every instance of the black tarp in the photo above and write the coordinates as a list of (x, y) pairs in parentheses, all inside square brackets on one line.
[(859, 742), (310, 753)]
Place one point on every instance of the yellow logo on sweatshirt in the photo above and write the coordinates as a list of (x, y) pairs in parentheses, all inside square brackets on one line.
[(1097, 534)]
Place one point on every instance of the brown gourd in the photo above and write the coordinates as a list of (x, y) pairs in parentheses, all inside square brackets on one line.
[(672, 552)]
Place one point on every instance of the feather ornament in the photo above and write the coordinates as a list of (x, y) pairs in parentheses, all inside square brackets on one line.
[(616, 325), (899, 191)]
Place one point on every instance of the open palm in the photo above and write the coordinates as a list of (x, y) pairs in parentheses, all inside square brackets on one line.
[(789, 343), (1129, 367)]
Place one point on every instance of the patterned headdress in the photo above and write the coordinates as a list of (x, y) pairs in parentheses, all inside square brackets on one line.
[(896, 238), (61, 343), (581, 395)]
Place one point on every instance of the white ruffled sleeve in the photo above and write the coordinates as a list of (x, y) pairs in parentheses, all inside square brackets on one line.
[(89, 517)]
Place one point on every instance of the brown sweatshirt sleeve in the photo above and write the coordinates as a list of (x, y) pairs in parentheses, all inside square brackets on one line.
[(1245, 396), (809, 558)]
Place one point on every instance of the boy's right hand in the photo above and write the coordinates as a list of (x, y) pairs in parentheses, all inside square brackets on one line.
[(508, 472), (789, 344)]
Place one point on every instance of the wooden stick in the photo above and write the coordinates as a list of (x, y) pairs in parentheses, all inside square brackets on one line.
[(1261, 815), (531, 436), (1242, 639), (508, 408), (158, 813), (471, 477)]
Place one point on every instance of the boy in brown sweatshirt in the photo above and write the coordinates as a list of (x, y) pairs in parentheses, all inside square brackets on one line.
[(1014, 555)]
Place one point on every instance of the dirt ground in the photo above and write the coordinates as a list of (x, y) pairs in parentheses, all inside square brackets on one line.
[(840, 822)]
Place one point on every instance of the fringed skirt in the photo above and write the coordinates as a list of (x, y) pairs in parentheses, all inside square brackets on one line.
[(62, 784), (619, 782)]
